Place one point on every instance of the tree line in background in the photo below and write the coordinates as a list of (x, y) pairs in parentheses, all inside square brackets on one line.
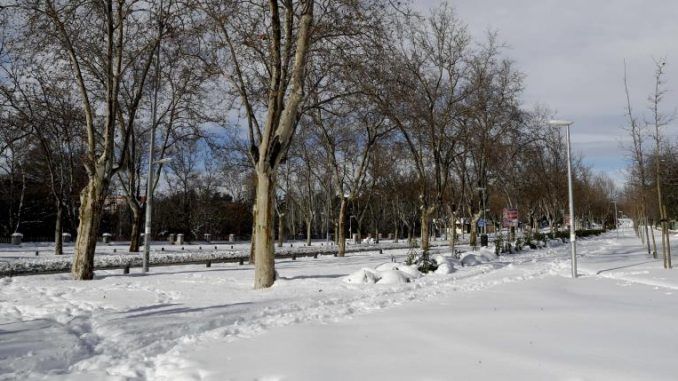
[(282, 118)]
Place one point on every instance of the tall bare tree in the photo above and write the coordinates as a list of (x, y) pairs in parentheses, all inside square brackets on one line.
[(659, 120), (639, 162)]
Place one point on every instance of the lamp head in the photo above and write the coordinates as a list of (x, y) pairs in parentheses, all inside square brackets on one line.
[(560, 123)]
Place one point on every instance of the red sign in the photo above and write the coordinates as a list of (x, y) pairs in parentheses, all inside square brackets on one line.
[(510, 217)]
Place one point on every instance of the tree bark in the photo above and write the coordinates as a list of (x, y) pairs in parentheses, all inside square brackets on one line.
[(341, 234), (281, 229), (135, 237), (263, 238), (91, 205), (425, 220), (473, 236), (669, 265), (58, 230), (308, 231), (654, 243), (453, 237), (647, 233), (253, 245)]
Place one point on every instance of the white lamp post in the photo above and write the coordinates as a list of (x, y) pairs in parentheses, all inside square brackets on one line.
[(482, 192), (573, 237), (149, 179), (149, 212)]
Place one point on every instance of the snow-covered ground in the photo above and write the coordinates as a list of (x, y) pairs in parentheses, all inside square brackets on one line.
[(518, 316)]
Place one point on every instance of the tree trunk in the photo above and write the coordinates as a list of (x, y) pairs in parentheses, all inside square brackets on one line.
[(135, 237), (473, 236), (647, 238), (58, 230), (281, 229), (551, 227), (253, 245), (453, 237), (309, 221), (341, 235), (665, 225), (264, 274), (654, 243), (336, 233), (395, 232), (91, 206), (425, 218)]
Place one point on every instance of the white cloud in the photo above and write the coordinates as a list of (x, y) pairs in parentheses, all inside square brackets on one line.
[(573, 55)]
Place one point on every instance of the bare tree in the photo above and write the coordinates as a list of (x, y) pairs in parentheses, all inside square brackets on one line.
[(638, 158), (97, 42), (659, 120), (48, 113), (419, 84)]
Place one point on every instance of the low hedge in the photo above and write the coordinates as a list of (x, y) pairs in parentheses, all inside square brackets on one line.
[(564, 235)]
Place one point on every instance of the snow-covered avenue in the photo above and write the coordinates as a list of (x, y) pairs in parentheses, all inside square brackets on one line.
[(515, 316)]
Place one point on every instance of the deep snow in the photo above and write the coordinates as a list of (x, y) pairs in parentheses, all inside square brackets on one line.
[(515, 316)]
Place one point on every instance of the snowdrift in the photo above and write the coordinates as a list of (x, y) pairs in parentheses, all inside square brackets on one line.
[(399, 273)]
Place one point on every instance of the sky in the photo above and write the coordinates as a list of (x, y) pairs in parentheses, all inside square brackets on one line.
[(572, 53)]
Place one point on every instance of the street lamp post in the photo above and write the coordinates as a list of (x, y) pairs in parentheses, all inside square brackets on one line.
[(149, 210), (573, 237), (482, 192), (327, 226), (484, 230), (149, 179)]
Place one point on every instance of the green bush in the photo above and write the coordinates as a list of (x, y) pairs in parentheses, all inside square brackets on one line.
[(423, 261), (519, 244), (498, 244)]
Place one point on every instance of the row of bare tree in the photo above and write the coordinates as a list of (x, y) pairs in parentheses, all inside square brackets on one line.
[(651, 192), (334, 111)]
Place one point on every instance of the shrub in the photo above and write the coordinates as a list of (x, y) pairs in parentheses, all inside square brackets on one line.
[(498, 243), (422, 260)]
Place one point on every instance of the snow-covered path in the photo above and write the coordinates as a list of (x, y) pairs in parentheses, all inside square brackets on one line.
[(544, 329), (195, 323)]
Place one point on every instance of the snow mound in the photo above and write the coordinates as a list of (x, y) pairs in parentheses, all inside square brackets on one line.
[(410, 271), (554, 243), (470, 260), (439, 259), (386, 273), (393, 277), (486, 257), (445, 268), (363, 276), (445, 264), (388, 266)]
